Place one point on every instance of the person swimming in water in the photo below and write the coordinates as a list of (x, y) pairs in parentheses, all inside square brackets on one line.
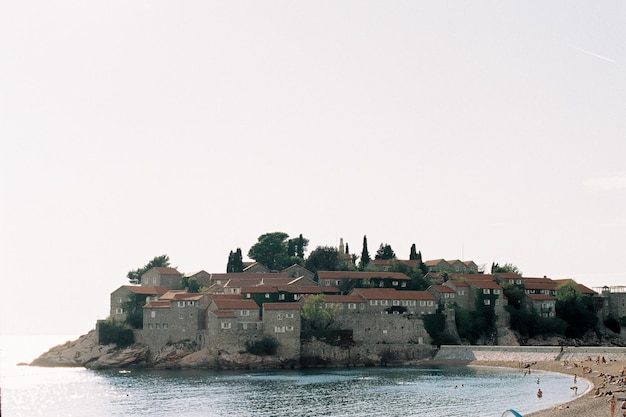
[(539, 393)]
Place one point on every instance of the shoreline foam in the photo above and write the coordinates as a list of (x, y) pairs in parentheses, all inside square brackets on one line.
[(585, 404)]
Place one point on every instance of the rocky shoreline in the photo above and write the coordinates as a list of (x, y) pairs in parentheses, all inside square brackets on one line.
[(85, 352)]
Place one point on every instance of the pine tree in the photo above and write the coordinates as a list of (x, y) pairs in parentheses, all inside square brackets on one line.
[(347, 250), (365, 255), (413, 254)]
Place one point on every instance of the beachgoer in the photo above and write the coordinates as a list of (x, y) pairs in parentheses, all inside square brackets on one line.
[(539, 393), (612, 401), (575, 378)]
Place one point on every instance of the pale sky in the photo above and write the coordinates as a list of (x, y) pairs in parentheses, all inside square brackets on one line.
[(492, 131)]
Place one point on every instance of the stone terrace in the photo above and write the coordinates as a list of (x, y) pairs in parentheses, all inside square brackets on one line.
[(528, 353)]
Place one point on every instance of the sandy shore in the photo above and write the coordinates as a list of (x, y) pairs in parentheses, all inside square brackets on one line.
[(586, 404)]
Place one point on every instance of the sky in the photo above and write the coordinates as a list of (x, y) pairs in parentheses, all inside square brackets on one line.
[(491, 131)]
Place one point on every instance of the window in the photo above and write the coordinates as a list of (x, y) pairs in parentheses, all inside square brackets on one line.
[(267, 295), (279, 329), (430, 303), (351, 306), (190, 303), (403, 284), (289, 315), (226, 325), (394, 283), (487, 302), (422, 303), (150, 325), (181, 316), (181, 304), (461, 292), (281, 296), (119, 311), (120, 301), (279, 316), (384, 331), (327, 282), (485, 290), (244, 326), (153, 314), (247, 295), (158, 325), (289, 328), (373, 302), (446, 295), (412, 303), (165, 325), (496, 291), (296, 297), (395, 302), (405, 302), (244, 312)]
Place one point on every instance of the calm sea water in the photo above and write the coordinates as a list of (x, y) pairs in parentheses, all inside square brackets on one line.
[(432, 392)]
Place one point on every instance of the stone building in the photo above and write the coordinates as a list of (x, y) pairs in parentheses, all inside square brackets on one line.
[(163, 276), (124, 294)]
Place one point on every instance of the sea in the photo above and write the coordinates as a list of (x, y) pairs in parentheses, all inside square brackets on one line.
[(380, 391)]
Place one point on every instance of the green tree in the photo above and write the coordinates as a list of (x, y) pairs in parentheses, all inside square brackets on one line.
[(413, 256), (506, 268), (134, 276), (323, 258), (235, 261), (291, 247), (315, 314), (514, 293), (365, 255), (301, 246), (134, 310), (575, 309), (271, 250), (385, 252)]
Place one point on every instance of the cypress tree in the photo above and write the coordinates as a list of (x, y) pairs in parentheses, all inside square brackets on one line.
[(238, 261), (413, 254), (300, 247), (365, 255), (229, 265)]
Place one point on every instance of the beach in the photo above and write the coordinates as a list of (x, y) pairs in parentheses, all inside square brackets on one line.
[(585, 404)]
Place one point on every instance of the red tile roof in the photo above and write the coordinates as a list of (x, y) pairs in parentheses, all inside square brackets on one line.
[(223, 313), (355, 298), (441, 288), (155, 290), (361, 275), (230, 304), (281, 306), (157, 304)]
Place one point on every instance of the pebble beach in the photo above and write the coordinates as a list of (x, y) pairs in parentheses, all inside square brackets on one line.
[(587, 404)]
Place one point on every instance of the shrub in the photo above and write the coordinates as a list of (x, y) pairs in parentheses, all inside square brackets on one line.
[(612, 325), (111, 332), (266, 346)]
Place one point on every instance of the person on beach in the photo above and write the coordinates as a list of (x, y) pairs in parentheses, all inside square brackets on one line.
[(612, 401), (540, 394), (575, 378)]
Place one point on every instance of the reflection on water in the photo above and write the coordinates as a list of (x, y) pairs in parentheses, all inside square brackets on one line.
[(433, 392)]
